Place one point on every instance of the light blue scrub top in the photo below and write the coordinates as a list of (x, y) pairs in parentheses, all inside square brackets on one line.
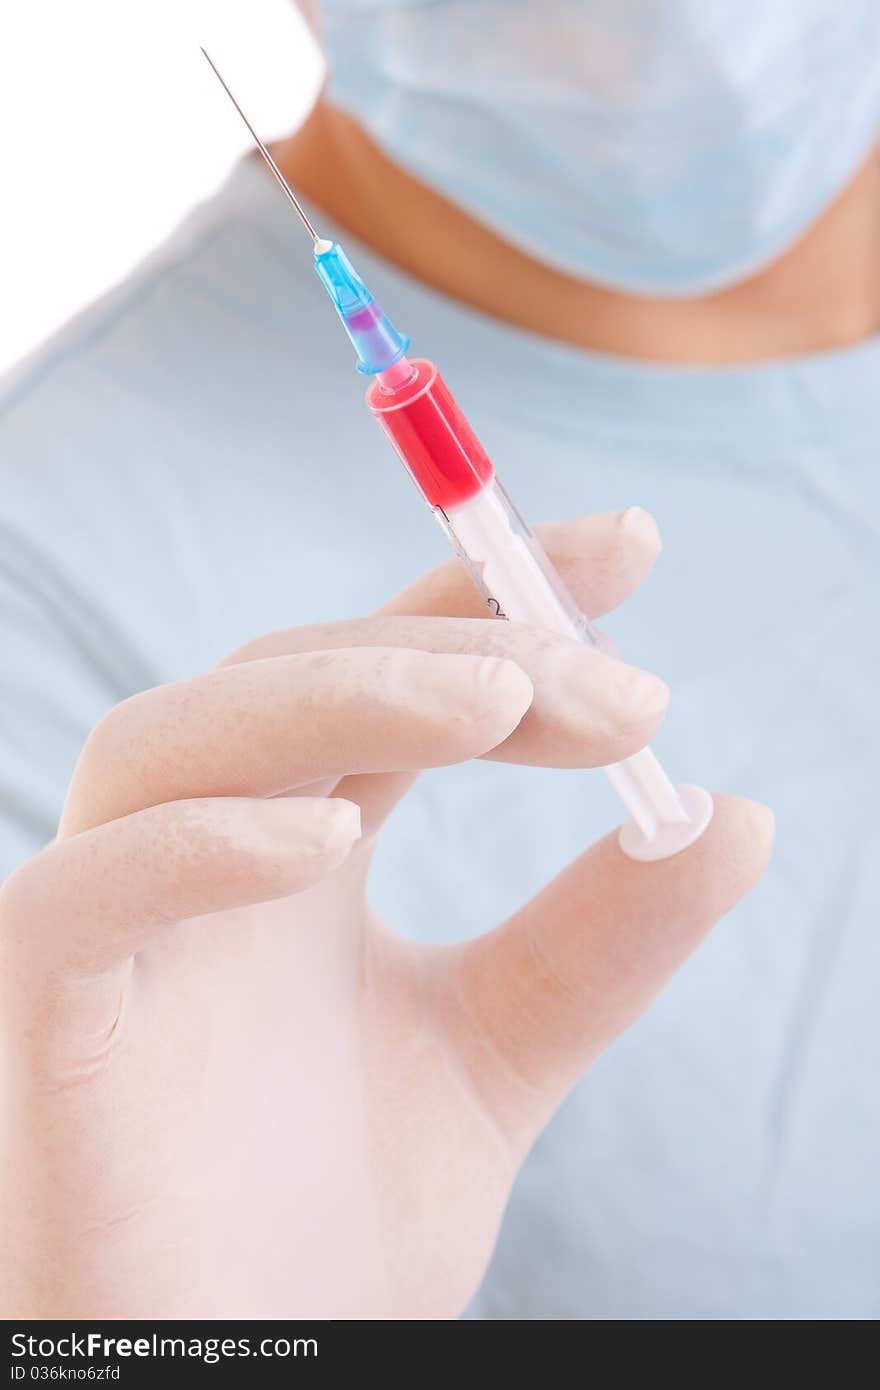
[(190, 463)]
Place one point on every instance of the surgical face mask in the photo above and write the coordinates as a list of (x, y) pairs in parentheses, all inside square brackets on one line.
[(660, 146)]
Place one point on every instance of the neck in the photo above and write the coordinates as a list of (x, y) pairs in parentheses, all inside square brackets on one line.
[(823, 293)]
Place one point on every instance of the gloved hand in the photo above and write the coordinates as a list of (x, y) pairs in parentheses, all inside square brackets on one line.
[(228, 1090)]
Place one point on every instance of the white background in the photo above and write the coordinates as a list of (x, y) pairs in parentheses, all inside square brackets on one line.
[(113, 126)]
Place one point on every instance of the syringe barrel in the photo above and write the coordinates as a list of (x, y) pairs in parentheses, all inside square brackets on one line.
[(511, 570), (431, 433), (518, 581)]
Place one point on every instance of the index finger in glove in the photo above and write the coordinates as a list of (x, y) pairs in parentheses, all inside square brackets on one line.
[(265, 727), (588, 709)]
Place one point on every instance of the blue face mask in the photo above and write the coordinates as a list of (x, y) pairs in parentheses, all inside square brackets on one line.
[(661, 146)]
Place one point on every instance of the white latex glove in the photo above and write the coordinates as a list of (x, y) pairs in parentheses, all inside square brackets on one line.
[(228, 1090)]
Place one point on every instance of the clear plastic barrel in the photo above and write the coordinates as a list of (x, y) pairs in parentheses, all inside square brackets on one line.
[(511, 570)]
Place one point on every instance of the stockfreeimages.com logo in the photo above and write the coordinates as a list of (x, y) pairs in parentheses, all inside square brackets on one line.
[(95, 1346)]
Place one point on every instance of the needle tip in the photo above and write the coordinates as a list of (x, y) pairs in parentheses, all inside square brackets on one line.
[(264, 152)]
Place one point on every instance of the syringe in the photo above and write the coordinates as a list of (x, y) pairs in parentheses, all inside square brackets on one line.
[(503, 557)]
